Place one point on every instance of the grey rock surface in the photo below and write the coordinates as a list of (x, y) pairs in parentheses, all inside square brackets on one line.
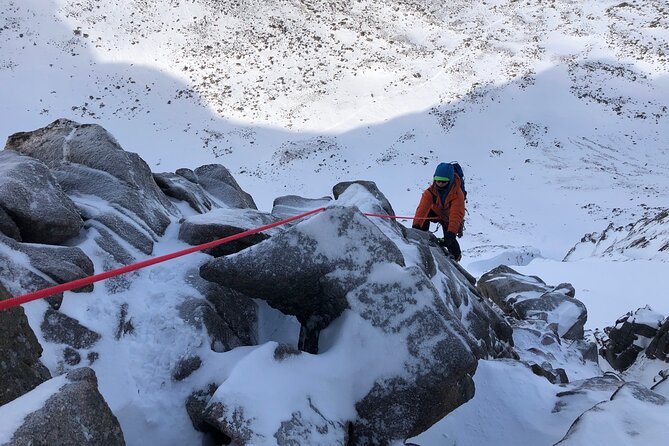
[(87, 160), (43, 266), (181, 188), (34, 202), (315, 270), (75, 415), (222, 223), (8, 227), (60, 328), (219, 182), (200, 314), (528, 297), (20, 366)]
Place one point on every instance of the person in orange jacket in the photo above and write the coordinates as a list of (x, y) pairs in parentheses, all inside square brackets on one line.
[(443, 202)]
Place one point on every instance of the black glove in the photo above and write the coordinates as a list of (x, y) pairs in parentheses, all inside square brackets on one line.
[(451, 243)]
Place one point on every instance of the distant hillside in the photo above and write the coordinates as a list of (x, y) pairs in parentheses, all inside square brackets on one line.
[(558, 111)]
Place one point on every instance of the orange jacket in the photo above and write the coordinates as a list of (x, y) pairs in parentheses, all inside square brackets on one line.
[(451, 213)]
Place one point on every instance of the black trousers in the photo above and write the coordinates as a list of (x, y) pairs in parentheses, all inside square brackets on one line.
[(425, 226)]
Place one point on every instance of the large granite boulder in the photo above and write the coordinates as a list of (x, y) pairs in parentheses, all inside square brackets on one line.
[(340, 267), (67, 410), (528, 297), (220, 223), (113, 189), (307, 273), (20, 366), (489, 334), (181, 188), (222, 186), (32, 202), (30, 267), (290, 205)]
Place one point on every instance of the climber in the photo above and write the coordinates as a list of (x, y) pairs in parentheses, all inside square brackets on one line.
[(444, 202)]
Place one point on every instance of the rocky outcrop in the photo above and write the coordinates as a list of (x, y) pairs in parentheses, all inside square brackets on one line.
[(339, 266), (528, 297), (200, 314), (20, 366), (642, 330), (114, 190), (221, 223), (41, 266), (68, 410), (291, 205), (183, 189), (220, 184), (33, 206), (62, 329), (306, 273), (646, 238)]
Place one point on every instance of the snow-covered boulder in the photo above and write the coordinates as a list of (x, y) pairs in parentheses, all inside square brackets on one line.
[(220, 223), (114, 190), (20, 366), (181, 188), (634, 415), (32, 202), (307, 272), (291, 205), (371, 187), (538, 345), (340, 274), (647, 238), (528, 297), (634, 332), (67, 410), (30, 267), (219, 183)]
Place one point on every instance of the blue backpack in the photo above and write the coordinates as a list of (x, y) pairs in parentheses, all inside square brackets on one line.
[(461, 174)]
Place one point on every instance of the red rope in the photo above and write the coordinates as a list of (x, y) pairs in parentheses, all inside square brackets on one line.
[(46, 292)]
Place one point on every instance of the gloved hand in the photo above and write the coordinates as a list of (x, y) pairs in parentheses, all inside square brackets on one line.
[(451, 243)]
